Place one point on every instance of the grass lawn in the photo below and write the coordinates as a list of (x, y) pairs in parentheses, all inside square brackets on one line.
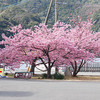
[(79, 77)]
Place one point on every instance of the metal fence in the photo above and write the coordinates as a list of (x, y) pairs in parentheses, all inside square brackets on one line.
[(91, 67)]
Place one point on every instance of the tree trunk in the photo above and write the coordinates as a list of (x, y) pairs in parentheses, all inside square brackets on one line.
[(56, 70), (78, 68), (75, 69), (74, 74), (33, 66), (49, 73)]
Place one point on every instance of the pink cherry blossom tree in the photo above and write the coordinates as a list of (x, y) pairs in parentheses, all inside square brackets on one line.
[(46, 44), (86, 41), (52, 46), (14, 52)]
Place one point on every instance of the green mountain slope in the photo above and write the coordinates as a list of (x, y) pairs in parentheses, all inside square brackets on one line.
[(40, 7), (64, 7), (76, 7), (15, 16), (31, 12), (96, 18)]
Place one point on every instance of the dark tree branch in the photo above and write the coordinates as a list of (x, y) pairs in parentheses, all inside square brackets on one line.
[(41, 69), (81, 65), (37, 48), (52, 49), (75, 69), (40, 64), (53, 63), (72, 65), (43, 63)]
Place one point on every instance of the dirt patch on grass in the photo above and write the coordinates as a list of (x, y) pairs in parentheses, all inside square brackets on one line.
[(83, 78)]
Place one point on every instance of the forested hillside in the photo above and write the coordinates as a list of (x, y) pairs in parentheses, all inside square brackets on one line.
[(76, 7), (31, 12), (15, 16)]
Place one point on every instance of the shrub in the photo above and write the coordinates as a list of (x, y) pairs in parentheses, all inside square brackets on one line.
[(54, 76), (44, 76), (58, 76)]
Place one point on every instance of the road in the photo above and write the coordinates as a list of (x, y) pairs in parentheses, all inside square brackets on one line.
[(11, 89)]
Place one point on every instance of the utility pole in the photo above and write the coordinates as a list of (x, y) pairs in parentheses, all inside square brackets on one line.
[(48, 13), (56, 12), (49, 10)]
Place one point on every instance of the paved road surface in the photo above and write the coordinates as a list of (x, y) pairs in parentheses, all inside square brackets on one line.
[(11, 89)]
